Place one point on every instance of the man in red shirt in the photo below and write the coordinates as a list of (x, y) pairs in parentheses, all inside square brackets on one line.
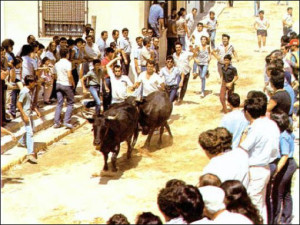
[(109, 55)]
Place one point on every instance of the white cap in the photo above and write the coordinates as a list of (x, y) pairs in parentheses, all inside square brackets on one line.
[(213, 198)]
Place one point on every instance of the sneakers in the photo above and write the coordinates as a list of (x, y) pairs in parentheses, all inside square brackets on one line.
[(55, 126), (202, 95), (68, 125), (31, 159)]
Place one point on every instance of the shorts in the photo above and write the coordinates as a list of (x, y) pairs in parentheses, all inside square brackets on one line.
[(263, 33)]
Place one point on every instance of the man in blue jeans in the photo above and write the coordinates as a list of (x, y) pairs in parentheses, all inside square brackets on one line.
[(64, 88), (172, 77), (24, 105)]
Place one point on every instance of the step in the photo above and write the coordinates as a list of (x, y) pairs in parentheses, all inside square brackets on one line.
[(17, 123), (39, 124), (43, 139)]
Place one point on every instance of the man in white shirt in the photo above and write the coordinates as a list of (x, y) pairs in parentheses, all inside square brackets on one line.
[(190, 19), (198, 33), (261, 26), (262, 144), (137, 55), (211, 24), (149, 80), (288, 21), (182, 62), (125, 45), (119, 83), (146, 54), (215, 208), (102, 43), (64, 87)]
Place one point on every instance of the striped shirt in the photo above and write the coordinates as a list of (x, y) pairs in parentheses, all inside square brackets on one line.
[(203, 56), (222, 51)]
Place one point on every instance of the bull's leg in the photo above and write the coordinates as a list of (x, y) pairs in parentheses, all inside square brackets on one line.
[(114, 158), (159, 143), (169, 129), (129, 147), (147, 143), (105, 168), (135, 137)]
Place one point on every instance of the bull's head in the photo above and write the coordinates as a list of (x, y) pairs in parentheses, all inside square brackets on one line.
[(100, 127)]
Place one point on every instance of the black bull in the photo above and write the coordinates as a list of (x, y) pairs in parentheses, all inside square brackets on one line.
[(120, 123)]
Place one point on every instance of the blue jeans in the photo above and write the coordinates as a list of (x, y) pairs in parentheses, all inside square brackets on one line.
[(95, 92), (27, 138), (13, 105), (202, 74), (282, 198), (155, 29), (256, 7), (182, 41), (212, 36), (172, 91), (64, 91)]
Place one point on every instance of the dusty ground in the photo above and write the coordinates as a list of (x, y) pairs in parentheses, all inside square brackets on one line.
[(65, 186)]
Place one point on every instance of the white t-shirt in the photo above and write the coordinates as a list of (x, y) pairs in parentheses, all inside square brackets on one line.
[(232, 165), (288, 19), (189, 20), (150, 85), (119, 87), (262, 142), (145, 55), (203, 221), (212, 23), (198, 36), (261, 24), (61, 68), (227, 217)]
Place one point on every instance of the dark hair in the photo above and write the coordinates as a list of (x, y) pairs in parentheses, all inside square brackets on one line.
[(178, 43), (26, 50), (7, 43), (117, 67), (209, 180), (146, 41), (254, 107), (103, 32), (148, 218), (285, 39), (167, 203), (189, 203), (263, 100), (234, 100), (279, 64), (29, 79), (125, 29), (41, 46), (282, 121), (238, 201), (95, 61), (226, 35), (35, 44), (138, 38), (277, 78), (261, 11), (29, 36), (77, 40), (63, 53), (210, 142), (62, 39), (174, 183), (180, 13), (109, 50), (289, 8), (228, 57), (2, 49), (112, 44), (55, 38), (17, 61), (150, 62), (117, 219), (199, 24), (194, 9), (88, 30), (44, 60), (114, 32), (293, 35), (70, 42), (212, 12), (225, 137), (170, 57)]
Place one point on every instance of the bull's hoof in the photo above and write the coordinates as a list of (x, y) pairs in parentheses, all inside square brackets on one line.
[(105, 168)]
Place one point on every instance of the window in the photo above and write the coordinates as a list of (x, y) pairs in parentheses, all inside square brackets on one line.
[(62, 18)]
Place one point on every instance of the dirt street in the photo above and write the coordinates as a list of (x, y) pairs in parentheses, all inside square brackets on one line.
[(65, 186)]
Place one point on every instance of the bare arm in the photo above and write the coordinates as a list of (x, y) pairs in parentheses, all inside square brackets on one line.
[(272, 104), (70, 77), (281, 164)]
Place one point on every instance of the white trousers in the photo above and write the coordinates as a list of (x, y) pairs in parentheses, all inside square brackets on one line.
[(257, 188)]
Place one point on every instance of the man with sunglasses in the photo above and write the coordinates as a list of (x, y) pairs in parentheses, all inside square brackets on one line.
[(172, 76)]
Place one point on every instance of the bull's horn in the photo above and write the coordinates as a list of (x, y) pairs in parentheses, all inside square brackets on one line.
[(112, 117)]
